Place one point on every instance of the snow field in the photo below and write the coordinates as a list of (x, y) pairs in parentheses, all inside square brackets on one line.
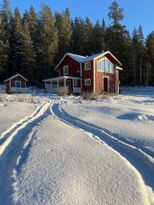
[(65, 166)]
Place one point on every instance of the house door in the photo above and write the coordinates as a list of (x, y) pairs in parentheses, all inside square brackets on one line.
[(106, 84), (69, 84)]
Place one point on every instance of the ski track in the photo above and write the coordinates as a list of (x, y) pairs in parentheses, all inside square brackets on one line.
[(14, 142), (139, 161)]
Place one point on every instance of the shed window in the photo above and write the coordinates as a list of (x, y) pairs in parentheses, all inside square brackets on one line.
[(87, 66), (105, 65), (66, 70), (87, 82), (18, 84)]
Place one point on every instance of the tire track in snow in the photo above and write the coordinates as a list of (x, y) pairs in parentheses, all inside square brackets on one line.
[(11, 149), (138, 160)]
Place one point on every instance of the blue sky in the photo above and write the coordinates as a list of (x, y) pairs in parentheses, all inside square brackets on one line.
[(136, 11)]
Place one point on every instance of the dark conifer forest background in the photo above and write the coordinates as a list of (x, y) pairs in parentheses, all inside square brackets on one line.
[(32, 43)]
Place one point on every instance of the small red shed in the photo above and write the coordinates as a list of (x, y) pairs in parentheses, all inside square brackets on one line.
[(16, 84)]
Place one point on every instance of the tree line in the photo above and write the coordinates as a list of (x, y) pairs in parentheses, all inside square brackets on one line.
[(32, 43)]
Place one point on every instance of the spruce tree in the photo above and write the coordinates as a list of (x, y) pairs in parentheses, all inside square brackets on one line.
[(79, 36), (28, 53), (49, 42), (63, 24), (15, 41), (150, 59), (97, 38), (5, 16), (3, 50)]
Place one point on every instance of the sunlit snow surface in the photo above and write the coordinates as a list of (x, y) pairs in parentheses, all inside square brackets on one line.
[(47, 161)]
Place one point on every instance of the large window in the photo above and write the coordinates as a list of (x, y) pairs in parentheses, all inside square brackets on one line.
[(105, 65), (66, 70)]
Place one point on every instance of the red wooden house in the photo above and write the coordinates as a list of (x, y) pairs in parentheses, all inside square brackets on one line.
[(97, 74), (16, 84)]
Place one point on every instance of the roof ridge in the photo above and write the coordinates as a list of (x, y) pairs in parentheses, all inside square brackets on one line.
[(76, 55)]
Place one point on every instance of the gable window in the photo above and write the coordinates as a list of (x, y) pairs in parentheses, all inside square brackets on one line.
[(87, 82), (105, 66), (66, 70), (18, 84), (87, 66)]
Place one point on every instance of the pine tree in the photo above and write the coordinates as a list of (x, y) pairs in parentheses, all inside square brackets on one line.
[(117, 40), (116, 14)]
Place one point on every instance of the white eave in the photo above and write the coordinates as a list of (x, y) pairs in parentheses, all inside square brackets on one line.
[(82, 59), (61, 78), (118, 68), (14, 76), (76, 57), (108, 52)]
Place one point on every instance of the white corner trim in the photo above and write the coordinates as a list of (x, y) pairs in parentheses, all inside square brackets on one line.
[(94, 80)]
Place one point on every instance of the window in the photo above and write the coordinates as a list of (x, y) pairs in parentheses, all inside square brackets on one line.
[(105, 65), (87, 82), (61, 83), (87, 66), (54, 84), (66, 70), (76, 82), (18, 84)]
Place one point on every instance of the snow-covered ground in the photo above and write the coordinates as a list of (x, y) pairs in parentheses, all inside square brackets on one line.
[(66, 150), (129, 116), (65, 166), (12, 112)]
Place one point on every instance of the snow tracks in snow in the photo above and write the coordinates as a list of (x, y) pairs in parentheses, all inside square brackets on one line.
[(11, 144), (139, 161)]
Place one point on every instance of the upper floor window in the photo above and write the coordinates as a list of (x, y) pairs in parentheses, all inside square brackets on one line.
[(105, 65), (66, 70), (87, 66)]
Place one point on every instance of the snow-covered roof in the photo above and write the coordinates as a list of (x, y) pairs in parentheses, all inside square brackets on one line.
[(14, 76), (82, 59), (76, 57)]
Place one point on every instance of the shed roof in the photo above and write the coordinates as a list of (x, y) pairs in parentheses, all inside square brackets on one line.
[(14, 76)]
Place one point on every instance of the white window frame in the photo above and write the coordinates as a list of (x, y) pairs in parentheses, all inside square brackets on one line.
[(87, 66), (87, 82), (18, 81), (66, 70), (103, 59), (76, 82)]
